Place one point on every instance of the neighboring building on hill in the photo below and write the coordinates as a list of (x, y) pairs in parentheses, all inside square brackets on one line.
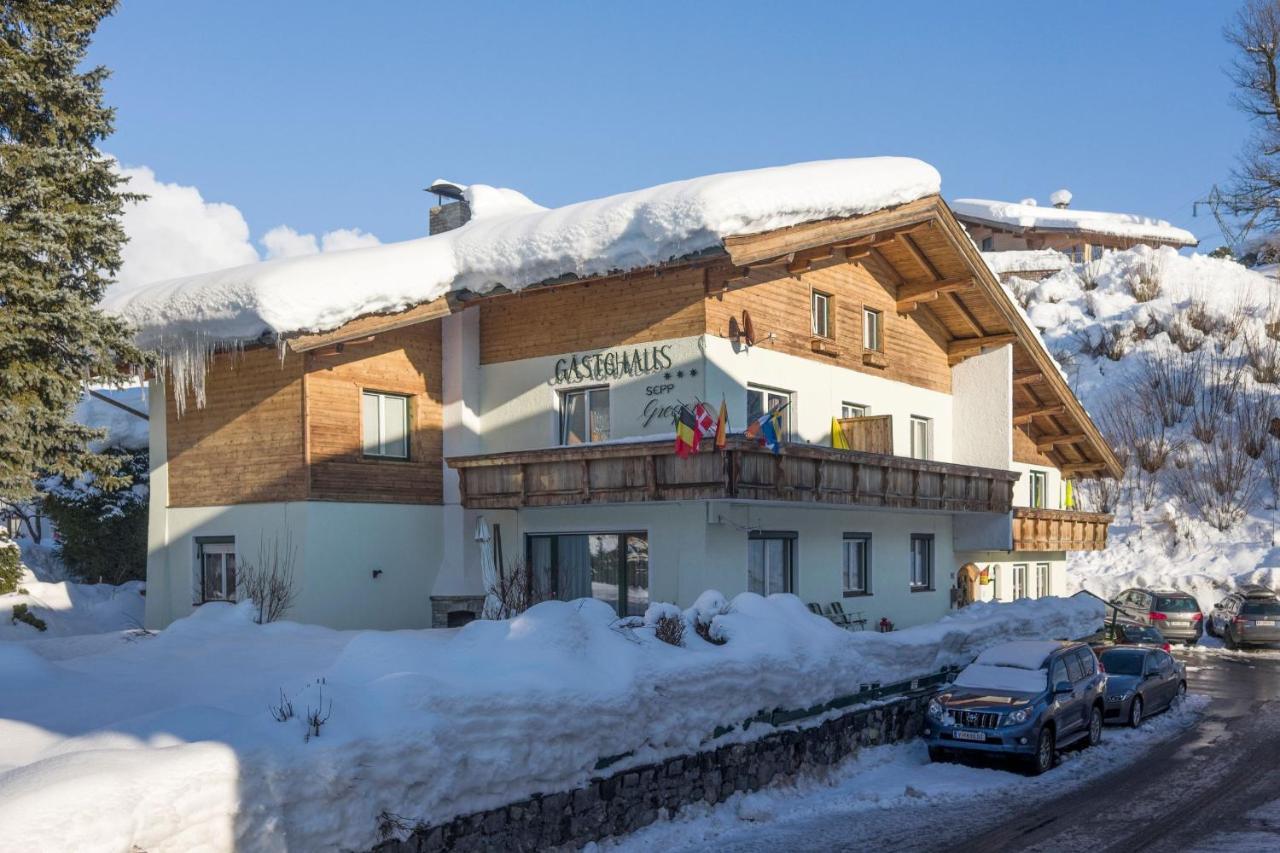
[(1080, 235), (524, 368)]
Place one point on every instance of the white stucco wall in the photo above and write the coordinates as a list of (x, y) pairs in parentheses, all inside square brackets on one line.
[(695, 546), (1022, 488), (982, 409), (1001, 564), (337, 547), (818, 390), (521, 405)]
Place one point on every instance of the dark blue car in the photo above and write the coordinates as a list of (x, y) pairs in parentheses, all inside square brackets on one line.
[(1025, 700)]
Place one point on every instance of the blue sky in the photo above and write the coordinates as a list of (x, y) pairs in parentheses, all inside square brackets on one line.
[(332, 115)]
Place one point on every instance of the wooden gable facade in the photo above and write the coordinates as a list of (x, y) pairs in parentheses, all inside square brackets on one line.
[(285, 426)]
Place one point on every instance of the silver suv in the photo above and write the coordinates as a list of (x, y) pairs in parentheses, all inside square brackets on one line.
[(1248, 617), (1176, 614)]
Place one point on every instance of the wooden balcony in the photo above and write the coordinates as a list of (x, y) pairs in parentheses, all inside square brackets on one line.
[(628, 472), (1059, 530)]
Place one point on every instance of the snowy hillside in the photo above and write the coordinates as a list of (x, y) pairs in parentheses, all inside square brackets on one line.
[(1177, 359)]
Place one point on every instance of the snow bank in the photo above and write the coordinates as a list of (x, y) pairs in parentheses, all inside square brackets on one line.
[(426, 724), (509, 241), (71, 609), (1022, 215)]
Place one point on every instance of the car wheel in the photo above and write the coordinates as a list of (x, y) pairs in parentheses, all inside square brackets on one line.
[(1095, 726), (1228, 640), (1135, 712), (1042, 759), (938, 755), (1181, 694)]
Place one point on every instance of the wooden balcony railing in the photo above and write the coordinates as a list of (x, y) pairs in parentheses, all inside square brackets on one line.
[(1059, 530), (628, 472)]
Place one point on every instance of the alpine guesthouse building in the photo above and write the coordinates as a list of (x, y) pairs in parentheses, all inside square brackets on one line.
[(514, 378)]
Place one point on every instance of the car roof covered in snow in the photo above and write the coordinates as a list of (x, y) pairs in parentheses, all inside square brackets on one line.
[(1022, 654)]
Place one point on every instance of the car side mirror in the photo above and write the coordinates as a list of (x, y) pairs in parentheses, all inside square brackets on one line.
[(1061, 687)]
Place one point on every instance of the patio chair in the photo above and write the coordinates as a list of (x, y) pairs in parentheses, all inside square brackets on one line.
[(835, 612), (815, 608), (854, 621)]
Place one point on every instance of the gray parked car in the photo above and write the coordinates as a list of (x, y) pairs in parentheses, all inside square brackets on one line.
[(1140, 681), (1248, 617), (1176, 614)]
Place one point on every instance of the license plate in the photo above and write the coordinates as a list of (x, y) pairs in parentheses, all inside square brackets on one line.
[(963, 735), (1269, 623), (1179, 624)]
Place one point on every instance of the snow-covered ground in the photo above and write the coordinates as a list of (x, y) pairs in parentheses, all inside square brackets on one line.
[(167, 742), (889, 784), (1207, 315)]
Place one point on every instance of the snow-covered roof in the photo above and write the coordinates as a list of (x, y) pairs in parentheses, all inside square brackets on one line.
[(1020, 216), (1028, 260), (513, 242)]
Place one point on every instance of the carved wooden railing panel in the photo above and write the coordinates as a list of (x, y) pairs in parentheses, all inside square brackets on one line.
[(1059, 530), (628, 472)]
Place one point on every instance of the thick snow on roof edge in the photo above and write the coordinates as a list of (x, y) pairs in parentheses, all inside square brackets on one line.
[(513, 242), (1128, 225)]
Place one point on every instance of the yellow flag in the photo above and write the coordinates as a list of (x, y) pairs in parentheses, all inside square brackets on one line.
[(837, 436)]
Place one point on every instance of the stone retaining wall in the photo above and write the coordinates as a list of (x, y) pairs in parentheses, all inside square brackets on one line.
[(633, 798)]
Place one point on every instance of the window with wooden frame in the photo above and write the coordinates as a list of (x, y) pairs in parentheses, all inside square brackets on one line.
[(761, 400), (584, 415), (921, 562), (215, 569), (1038, 483), (1019, 581), (921, 437), (385, 424), (872, 330), (770, 561), (820, 311), (856, 569)]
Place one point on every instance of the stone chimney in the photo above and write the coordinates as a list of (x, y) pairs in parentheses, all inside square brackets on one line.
[(1061, 199), (452, 211)]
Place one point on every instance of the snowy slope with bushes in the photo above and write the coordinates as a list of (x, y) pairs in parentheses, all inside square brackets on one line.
[(172, 742), (1178, 360)]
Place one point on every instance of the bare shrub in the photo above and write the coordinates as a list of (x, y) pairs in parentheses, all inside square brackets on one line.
[(1199, 317), (1169, 385), (1263, 356), (1270, 462), (516, 589), (1220, 483), (1219, 388), (1090, 274), (1185, 336), (1113, 341), (670, 629), (1254, 414), (1145, 281), (283, 710), (1271, 322), (318, 717), (1101, 494), (269, 582)]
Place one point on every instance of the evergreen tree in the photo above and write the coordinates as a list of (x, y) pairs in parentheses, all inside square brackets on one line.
[(60, 241)]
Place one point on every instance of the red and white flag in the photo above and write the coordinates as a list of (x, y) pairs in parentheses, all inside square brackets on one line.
[(704, 423)]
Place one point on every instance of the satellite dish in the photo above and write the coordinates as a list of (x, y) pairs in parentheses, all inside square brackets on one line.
[(748, 329)]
